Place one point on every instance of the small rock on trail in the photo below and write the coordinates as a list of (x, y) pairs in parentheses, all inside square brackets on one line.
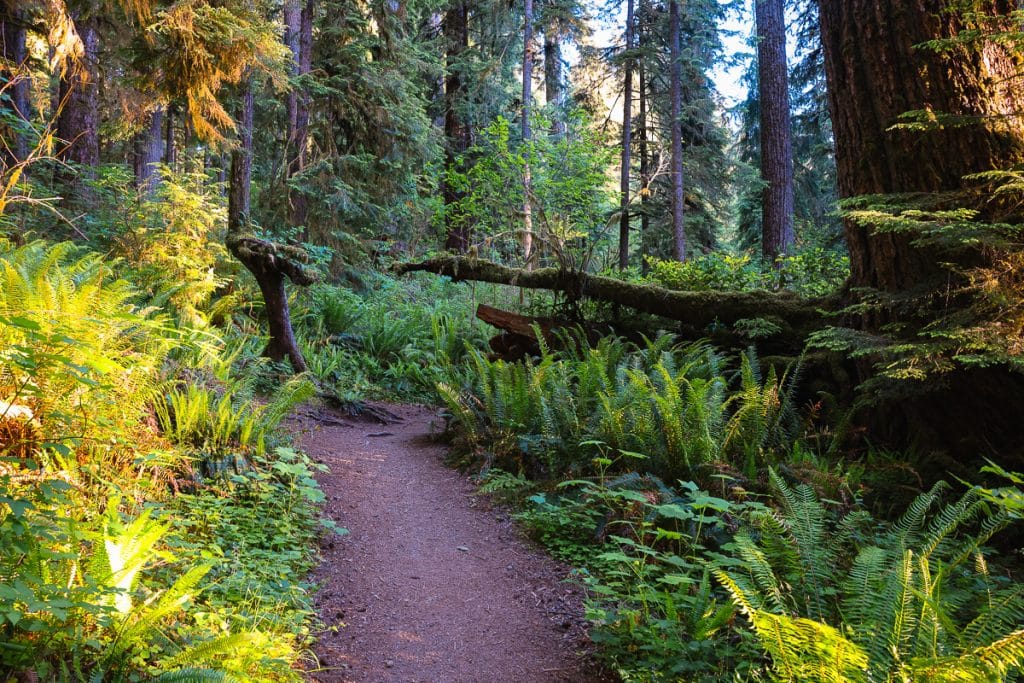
[(430, 585)]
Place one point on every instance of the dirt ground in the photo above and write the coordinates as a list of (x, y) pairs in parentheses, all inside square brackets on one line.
[(432, 584)]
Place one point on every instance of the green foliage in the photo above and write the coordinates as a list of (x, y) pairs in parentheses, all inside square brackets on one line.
[(967, 313), (170, 236), (85, 593), (812, 272), (853, 600), (395, 341), (568, 191), (218, 423), (668, 409)]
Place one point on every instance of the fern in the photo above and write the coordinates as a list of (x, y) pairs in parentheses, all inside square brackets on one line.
[(196, 675), (906, 603)]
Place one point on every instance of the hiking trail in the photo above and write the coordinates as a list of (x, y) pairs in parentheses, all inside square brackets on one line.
[(432, 584)]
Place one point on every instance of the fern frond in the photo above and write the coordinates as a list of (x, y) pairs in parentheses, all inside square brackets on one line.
[(209, 650), (196, 675)]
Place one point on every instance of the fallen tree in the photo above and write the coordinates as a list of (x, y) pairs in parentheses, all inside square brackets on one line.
[(794, 316)]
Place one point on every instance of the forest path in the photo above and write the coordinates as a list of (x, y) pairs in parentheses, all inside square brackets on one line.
[(431, 585)]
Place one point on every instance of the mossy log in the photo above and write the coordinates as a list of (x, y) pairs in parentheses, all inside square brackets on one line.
[(795, 316)]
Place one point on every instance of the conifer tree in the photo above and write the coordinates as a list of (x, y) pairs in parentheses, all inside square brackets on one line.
[(776, 138)]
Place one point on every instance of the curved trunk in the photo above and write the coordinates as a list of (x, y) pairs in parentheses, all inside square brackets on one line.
[(268, 262)]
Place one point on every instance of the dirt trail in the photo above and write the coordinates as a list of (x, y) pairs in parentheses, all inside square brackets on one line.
[(431, 585)]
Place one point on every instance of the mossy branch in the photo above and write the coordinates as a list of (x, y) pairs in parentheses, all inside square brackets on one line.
[(272, 257), (798, 316)]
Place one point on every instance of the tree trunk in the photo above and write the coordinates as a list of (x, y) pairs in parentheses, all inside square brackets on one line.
[(269, 263), (292, 12), (554, 87), (148, 152), (874, 75), (170, 148), (528, 246), (298, 201), (676, 95), (437, 102), (645, 172), (627, 141), (240, 188), (776, 141), (14, 52), (79, 120), (456, 132), (298, 36)]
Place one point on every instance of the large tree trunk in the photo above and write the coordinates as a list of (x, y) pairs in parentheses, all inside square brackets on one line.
[(875, 73), (292, 12), (776, 140), (676, 94), (456, 132), (79, 120), (554, 85), (148, 151), (528, 246), (627, 141), (268, 262), (170, 144), (14, 52), (299, 38), (645, 171)]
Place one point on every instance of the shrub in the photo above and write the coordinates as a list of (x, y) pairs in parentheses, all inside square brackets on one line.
[(856, 601)]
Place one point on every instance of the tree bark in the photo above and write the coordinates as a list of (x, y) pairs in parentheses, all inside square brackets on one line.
[(645, 170), (298, 16), (456, 132), (797, 317), (528, 246), (170, 147), (554, 87), (13, 50), (676, 95), (875, 73), (435, 26), (292, 12), (148, 152), (299, 202), (269, 263), (627, 141), (776, 140), (79, 119), (240, 188)]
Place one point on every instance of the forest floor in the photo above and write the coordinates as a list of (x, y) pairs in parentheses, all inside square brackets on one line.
[(433, 584)]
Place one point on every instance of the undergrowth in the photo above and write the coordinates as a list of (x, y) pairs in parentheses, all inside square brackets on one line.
[(126, 552)]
